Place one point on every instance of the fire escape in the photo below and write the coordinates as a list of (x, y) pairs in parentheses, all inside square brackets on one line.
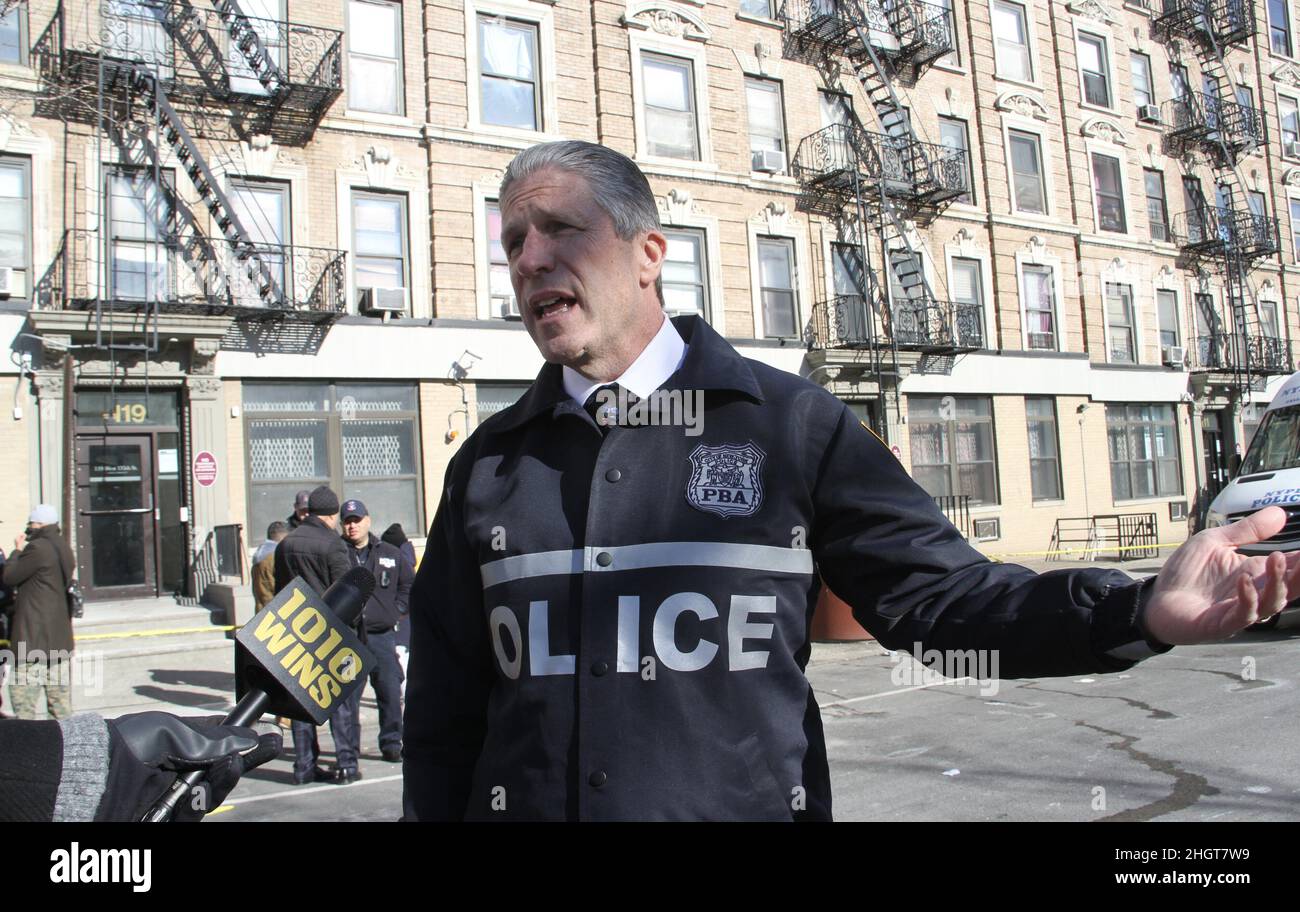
[(877, 184), (170, 86), (1231, 235)]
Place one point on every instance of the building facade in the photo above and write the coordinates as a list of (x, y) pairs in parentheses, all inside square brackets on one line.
[(1046, 251)]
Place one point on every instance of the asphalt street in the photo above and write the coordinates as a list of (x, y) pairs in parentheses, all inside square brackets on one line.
[(1202, 733)]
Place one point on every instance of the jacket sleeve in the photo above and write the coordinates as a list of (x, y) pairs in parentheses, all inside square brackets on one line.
[(337, 561), (405, 579), (264, 579), (450, 672), (21, 567), (883, 546)]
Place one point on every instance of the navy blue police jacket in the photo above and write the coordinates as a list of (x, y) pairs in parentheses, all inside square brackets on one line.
[(616, 626)]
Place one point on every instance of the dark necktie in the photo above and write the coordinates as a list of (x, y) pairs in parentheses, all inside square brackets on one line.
[(603, 407)]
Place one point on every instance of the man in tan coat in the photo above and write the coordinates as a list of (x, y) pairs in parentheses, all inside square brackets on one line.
[(264, 564), (42, 567)]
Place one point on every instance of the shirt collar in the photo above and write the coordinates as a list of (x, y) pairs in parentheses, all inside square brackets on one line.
[(710, 363), (658, 361)]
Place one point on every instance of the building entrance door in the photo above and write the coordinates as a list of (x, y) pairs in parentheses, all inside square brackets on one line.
[(1217, 468), (116, 548)]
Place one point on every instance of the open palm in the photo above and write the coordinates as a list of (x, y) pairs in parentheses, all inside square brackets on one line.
[(1207, 591)]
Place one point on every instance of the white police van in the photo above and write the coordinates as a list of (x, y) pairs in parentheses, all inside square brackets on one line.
[(1269, 476)]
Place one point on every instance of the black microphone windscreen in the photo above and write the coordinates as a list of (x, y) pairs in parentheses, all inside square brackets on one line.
[(349, 594)]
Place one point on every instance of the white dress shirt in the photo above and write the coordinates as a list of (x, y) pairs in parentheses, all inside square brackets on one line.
[(658, 361)]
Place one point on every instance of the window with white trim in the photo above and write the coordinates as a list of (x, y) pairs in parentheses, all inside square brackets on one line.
[(509, 87), (1144, 453), (1094, 70), (1157, 209), (1268, 322), (13, 34), (685, 274), (379, 248), (1011, 41), (16, 223), (776, 286), (1044, 451), (968, 293), (1121, 331), (139, 231), (1279, 27), (671, 124), (1037, 292), (1288, 113), (1295, 228), (1144, 92), (761, 9), (1108, 185), (374, 39), (1167, 318), (1028, 192), (954, 135), (952, 445), (766, 125), (501, 294)]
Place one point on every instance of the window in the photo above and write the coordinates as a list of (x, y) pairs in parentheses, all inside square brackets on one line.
[(13, 34), (139, 226), (1093, 68), (1110, 193), (267, 19), (836, 107), (501, 294), (262, 207), (1279, 27), (1256, 201), (762, 9), (776, 286), (1290, 120), (670, 125), (1012, 41), (375, 56), (968, 293), (379, 240), (1121, 335), (953, 135), (1144, 92), (685, 273), (508, 85), (952, 446), (496, 397), (361, 439), (1027, 173), (1251, 415), (1178, 83), (1167, 314), (144, 27), (766, 125), (1157, 210), (1144, 460), (1295, 229), (1038, 294), (16, 223), (1268, 319), (1044, 453), (948, 34)]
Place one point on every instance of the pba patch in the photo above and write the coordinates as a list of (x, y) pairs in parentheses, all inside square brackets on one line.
[(726, 480)]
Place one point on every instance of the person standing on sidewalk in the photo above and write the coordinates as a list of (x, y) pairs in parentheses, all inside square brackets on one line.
[(300, 510), (386, 608), (264, 565), (42, 567), (315, 552)]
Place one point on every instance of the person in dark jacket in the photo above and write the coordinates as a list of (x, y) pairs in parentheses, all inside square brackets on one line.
[(386, 608), (300, 510), (42, 567), (611, 618), (395, 535), (315, 552)]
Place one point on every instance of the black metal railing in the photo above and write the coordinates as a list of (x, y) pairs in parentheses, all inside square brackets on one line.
[(1231, 352), (907, 167), (220, 556), (201, 275), (924, 30), (1129, 536), (908, 31), (1200, 117), (956, 508), (294, 69), (851, 321), (1224, 22), (1211, 230)]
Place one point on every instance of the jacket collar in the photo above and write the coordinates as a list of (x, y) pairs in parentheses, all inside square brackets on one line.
[(711, 364)]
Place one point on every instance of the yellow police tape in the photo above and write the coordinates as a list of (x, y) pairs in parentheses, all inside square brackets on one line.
[(1101, 547), (178, 631)]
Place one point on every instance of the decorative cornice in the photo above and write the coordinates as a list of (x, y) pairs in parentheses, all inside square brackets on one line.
[(1094, 10), (666, 19), (1025, 105), (1101, 128), (676, 206), (1291, 177), (1287, 73)]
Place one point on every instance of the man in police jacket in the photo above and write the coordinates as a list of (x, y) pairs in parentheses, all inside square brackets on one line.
[(612, 622)]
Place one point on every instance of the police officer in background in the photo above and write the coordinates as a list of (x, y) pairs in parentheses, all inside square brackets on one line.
[(387, 606), (300, 510), (612, 622), (315, 552)]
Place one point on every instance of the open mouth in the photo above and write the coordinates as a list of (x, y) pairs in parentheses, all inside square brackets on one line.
[(553, 306)]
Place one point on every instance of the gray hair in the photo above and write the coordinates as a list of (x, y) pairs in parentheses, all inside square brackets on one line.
[(619, 187)]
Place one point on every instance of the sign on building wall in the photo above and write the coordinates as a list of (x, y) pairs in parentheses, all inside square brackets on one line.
[(205, 469)]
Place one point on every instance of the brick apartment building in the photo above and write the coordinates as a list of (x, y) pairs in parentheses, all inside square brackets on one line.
[(1045, 250)]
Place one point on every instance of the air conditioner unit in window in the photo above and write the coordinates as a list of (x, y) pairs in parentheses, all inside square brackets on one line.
[(1291, 150), (1175, 355), (987, 529), (505, 307), (381, 300), (6, 280), (1149, 113), (769, 160)]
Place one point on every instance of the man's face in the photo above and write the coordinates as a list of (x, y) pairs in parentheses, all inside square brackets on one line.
[(580, 287), (356, 529)]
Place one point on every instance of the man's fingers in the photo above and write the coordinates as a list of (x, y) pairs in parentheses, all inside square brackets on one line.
[(1274, 597), (1254, 528)]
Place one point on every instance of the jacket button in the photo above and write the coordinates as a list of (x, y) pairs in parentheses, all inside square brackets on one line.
[(599, 668), (604, 558), (598, 778), (613, 475)]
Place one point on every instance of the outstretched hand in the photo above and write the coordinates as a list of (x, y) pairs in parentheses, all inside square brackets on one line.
[(1207, 591)]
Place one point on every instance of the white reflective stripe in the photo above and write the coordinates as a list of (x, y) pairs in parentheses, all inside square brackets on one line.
[(654, 554)]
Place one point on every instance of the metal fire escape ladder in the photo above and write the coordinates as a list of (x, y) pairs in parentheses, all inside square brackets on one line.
[(245, 37), (173, 130)]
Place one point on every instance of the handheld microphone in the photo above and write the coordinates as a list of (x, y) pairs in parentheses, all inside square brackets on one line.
[(295, 659)]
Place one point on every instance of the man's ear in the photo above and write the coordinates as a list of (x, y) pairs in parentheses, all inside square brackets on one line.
[(654, 248)]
